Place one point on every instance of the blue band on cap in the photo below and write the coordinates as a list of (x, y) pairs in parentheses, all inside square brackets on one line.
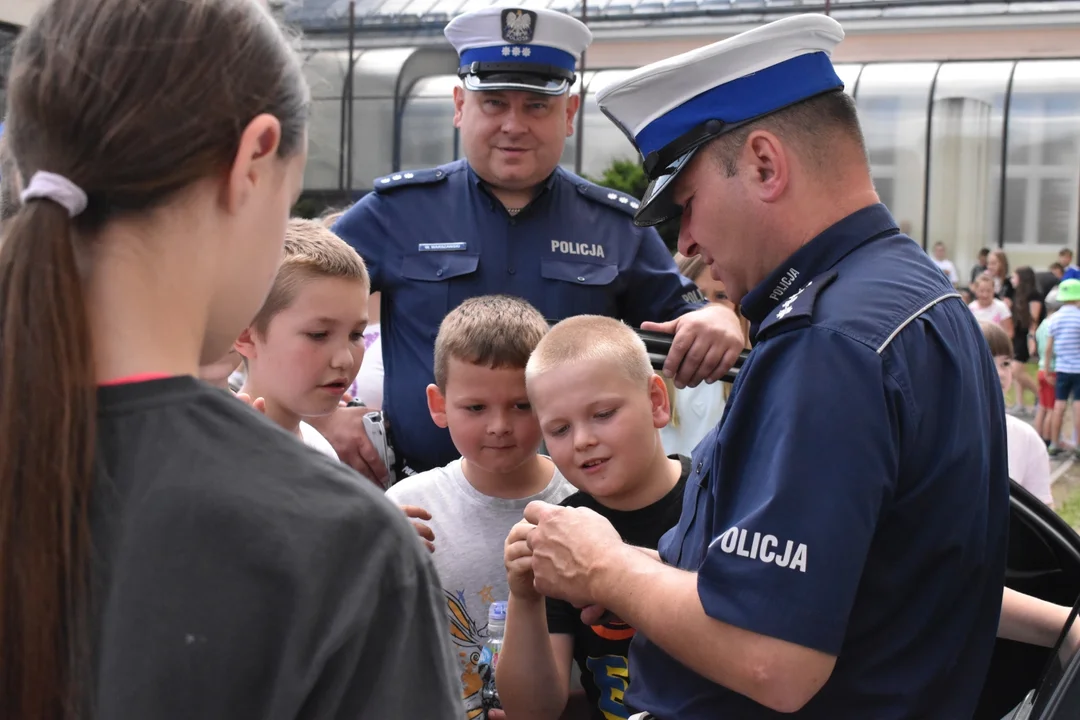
[(537, 54), (747, 97)]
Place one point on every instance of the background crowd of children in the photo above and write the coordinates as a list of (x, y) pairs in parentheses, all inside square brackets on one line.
[(1032, 323)]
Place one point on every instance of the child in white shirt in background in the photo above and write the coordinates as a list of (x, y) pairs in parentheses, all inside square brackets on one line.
[(944, 263), (1029, 461), (302, 351), (695, 411), (988, 308)]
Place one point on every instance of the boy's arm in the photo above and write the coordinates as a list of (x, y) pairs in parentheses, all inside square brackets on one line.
[(533, 674), (1030, 620), (1050, 352)]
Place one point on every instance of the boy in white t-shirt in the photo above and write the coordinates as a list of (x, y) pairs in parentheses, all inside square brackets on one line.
[(302, 351), (479, 395), (988, 308), (944, 263), (1029, 461)]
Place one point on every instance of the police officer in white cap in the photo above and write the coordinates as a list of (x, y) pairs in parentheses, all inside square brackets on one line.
[(841, 549), (507, 219)]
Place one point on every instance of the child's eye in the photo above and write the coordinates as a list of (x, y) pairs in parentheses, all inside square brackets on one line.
[(524, 406), (559, 431), (317, 335), (356, 337), (474, 408), (605, 414)]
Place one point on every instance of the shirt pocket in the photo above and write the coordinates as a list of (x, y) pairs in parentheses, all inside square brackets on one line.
[(581, 288), (684, 546), (430, 278)]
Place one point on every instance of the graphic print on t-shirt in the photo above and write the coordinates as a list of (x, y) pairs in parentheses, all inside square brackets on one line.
[(601, 650), (469, 639)]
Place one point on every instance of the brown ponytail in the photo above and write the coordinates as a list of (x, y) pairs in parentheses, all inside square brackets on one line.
[(47, 423), (132, 101)]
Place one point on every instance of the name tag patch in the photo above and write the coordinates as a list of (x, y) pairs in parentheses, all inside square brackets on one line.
[(563, 247), (443, 247)]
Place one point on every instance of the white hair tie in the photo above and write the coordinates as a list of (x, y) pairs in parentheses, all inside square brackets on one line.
[(50, 186)]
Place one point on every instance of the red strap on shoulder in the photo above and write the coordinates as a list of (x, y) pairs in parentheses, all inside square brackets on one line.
[(137, 378)]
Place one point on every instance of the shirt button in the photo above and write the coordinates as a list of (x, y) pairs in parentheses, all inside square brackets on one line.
[(699, 466), (439, 272), (513, 221), (581, 278), (511, 270)]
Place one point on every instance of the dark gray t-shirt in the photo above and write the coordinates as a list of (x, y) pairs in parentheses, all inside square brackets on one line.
[(240, 574)]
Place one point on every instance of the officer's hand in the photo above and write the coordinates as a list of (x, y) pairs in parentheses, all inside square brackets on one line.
[(707, 343), (517, 557), (572, 549), (415, 515), (344, 428)]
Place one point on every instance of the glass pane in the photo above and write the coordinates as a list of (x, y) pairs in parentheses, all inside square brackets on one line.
[(427, 123), (325, 72), (965, 157), (324, 145), (1043, 168), (373, 125), (1055, 211), (893, 101), (849, 74), (603, 143), (569, 153), (1015, 210), (447, 7)]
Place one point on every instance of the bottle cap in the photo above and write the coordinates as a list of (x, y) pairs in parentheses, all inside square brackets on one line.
[(497, 611)]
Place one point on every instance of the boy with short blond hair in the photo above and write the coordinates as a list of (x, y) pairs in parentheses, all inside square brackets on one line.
[(305, 345), (479, 395), (600, 406)]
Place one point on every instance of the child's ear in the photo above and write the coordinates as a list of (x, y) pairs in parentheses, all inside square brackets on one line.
[(661, 402), (245, 344), (436, 404)]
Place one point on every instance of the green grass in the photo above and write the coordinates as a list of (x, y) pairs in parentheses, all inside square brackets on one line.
[(1069, 510), (1010, 397)]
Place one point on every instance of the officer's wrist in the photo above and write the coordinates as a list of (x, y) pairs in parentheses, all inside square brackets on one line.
[(617, 564)]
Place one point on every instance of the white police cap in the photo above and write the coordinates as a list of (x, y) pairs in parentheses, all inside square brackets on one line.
[(510, 48), (672, 108)]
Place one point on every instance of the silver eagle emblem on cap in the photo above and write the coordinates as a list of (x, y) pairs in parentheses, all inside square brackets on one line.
[(518, 25)]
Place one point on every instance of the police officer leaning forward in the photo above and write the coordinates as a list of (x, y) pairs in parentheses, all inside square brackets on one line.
[(841, 549), (507, 219)]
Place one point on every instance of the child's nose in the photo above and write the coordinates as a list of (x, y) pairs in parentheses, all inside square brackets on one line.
[(583, 438), (500, 423), (342, 358)]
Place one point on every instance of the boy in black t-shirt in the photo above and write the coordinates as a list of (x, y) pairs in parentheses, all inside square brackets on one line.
[(600, 407)]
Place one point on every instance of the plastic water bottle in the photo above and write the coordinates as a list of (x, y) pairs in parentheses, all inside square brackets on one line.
[(489, 656)]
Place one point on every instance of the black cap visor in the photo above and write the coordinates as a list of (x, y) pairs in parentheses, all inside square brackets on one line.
[(527, 77)]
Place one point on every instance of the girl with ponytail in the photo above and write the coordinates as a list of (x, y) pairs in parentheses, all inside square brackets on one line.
[(164, 551)]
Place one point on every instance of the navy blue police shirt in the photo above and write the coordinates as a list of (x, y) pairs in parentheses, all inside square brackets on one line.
[(854, 497), (434, 238)]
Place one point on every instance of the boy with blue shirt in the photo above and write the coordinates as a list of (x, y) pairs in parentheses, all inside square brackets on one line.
[(1063, 356), (841, 549)]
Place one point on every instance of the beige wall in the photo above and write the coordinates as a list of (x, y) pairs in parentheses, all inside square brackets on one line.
[(18, 12), (990, 43)]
